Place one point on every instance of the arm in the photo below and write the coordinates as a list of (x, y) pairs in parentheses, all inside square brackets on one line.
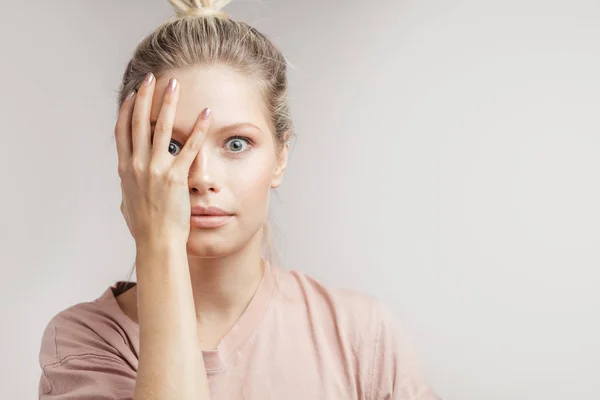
[(156, 206), (170, 362)]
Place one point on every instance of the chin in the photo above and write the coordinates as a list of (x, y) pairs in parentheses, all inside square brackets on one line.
[(202, 245), (221, 242)]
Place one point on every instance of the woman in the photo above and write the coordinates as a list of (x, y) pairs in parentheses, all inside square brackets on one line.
[(202, 137)]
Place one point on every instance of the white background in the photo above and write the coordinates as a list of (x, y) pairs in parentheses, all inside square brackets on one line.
[(446, 160)]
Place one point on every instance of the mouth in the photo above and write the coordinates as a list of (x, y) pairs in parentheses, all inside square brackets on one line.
[(209, 211), (209, 221), (209, 217)]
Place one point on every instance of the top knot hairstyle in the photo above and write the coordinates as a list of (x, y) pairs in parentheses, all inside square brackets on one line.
[(200, 8), (200, 33)]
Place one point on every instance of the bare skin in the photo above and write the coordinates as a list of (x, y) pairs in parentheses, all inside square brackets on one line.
[(193, 283)]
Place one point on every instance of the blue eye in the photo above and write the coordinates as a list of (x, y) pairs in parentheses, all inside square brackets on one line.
[(174, 147), (235, 144)]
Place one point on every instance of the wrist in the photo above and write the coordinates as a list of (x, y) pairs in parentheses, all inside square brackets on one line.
[(160, 245), (158, 260)]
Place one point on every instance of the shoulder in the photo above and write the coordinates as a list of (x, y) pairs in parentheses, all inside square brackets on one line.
[(86, 351), (295, 285), (355, 315), (364, 327), (86, 329)]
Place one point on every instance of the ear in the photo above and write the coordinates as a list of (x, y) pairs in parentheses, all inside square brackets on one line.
[(280, 165)]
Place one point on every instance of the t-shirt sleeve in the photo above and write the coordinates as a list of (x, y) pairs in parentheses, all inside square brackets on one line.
[(79, 358), (89, 377), (396, 373)]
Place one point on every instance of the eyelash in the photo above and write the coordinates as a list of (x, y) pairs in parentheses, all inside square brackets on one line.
[(239, 137), (235, 137)]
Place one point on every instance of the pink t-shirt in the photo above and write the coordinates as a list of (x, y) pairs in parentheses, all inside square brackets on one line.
[(297, 340)]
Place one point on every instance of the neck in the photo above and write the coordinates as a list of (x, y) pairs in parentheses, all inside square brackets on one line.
[(224, 286)]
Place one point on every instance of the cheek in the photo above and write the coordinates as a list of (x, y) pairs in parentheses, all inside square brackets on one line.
[(251, 180)]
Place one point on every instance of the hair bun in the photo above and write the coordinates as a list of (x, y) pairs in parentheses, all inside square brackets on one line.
[(200, 8)]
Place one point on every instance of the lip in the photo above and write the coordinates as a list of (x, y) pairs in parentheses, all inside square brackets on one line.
[(209, 221), (209, 211), (209, 217)]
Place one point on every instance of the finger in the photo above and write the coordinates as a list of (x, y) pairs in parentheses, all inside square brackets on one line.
[(186, 156), (140, 124), (163, 131), (122, 207), (123, 130)]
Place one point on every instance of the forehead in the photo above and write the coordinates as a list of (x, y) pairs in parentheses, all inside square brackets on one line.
[(231, 96)]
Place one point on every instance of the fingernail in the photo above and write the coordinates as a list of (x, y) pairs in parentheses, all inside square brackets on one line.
[(172, 85), (205, 113), (148, 78), (130, 95)]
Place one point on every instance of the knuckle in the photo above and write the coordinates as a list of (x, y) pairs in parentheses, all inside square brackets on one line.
[(173, 176), (193, 146), (136, 122), (137, 167), (160, 126), (155, 170), (123, 170)]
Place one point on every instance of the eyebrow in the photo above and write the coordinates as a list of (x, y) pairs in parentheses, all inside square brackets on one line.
[(239, 125)]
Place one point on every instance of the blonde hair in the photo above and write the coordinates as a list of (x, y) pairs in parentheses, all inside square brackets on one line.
[(200, 33)]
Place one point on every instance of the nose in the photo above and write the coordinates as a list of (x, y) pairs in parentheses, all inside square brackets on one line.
[(202, 173)]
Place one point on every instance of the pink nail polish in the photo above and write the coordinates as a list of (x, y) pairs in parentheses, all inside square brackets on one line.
[(172, 85), (205, 113), (148, 78)]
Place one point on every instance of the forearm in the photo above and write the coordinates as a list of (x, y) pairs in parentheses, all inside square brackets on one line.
[(170, 361)]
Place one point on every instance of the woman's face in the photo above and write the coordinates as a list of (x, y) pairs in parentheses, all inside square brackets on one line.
[(237, 164)]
